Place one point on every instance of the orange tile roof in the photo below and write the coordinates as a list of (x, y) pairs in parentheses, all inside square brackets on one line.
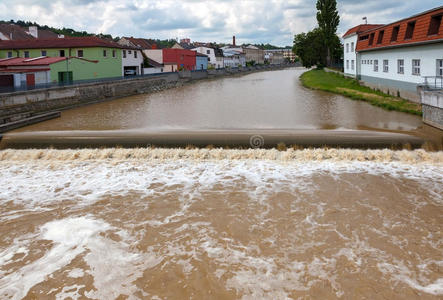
[(420, 33), (361, 28)]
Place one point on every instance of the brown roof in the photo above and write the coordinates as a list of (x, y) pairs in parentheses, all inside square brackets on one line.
[(68, 42), (47, 34), (38, 61), (361, 28), (382, 37), (15, 31), (141, 43)]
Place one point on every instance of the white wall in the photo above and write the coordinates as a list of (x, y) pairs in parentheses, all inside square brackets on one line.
[(211, 55), (154, 54), (428, 55), (152, 70), (350, 54), (131, 61)]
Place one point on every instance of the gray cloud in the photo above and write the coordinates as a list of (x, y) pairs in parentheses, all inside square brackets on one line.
[(211, 20)]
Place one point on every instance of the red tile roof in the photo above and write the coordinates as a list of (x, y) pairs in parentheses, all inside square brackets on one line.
[(39, 61), (23, 70), (360, 28), (68, 42), (420, 33)]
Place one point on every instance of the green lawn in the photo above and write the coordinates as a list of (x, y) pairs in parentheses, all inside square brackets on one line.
[(336, 83)]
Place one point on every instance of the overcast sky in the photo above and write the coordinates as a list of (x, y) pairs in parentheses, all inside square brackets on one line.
[(252, 21)]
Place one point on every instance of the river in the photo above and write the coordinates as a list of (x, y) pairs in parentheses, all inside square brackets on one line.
[(211, 223)]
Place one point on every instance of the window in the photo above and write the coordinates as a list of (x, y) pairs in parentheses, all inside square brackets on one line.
[(400, 66), (347, 64), (26, 54), (395, 31), (375, 65), (352, 47), (370, 62), (371, 39), (44, 53), (124, 53), (434, 26), (114, 53), (381, 34), (364, 37), (61, 53), (208, 51), (352, 64), (105, 53), (129, 52), (385, 65), (439, 67), (410, 30), (135, 54), (415, 67), (347, 47), (79, 53), (9, 54)]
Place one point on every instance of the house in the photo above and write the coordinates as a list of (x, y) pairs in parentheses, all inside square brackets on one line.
[(350, 39), (106, 55), (201, 61), (399, 56), (233, 58), (210, 53), (22, 72), (13, 32), (274, 56), (179, 59), (132, 58)]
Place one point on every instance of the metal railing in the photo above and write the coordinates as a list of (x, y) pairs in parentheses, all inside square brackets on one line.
[(433, 82)]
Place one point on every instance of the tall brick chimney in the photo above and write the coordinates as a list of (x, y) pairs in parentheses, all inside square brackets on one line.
[(233, 40)]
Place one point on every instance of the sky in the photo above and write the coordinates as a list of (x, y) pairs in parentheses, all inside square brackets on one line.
[(251, 21)]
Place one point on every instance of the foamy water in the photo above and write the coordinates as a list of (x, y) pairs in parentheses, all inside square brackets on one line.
[(163, 223)]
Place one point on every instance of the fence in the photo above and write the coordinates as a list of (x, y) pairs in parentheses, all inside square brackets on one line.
[(433, 82)]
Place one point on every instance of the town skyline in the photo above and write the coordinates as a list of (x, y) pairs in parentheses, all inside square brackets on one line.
[(211, 21)]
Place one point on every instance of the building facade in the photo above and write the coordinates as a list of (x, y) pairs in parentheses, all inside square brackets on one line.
[(397, 57), (107, 56), (201, 61), (179, 59)]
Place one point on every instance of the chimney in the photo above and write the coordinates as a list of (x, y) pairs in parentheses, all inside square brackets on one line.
[(233, 40), (33, 31)]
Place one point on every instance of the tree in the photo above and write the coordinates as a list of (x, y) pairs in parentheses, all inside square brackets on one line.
[(328, 20), (310, 48)]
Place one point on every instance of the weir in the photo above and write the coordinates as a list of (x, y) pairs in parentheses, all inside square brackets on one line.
[(268, 138)]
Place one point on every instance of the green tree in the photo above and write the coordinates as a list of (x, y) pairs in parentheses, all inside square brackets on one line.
[(310, 48), (328, 20)]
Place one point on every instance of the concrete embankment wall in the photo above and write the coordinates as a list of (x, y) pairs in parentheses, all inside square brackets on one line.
[(432, 105), (59, 98)]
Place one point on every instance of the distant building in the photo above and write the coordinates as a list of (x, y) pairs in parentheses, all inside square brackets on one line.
[(201, 61), (254, 54), (234, 58), (210, 53), (398, 56), (275, 57), (179, 59)]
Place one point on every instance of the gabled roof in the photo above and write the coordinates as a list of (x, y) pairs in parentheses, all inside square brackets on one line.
[(382, 37), (141, 43), (361, 28), (17, 32), (47, 34), (69, 42)]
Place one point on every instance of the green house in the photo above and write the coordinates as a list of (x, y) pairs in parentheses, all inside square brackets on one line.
[(87, 58)]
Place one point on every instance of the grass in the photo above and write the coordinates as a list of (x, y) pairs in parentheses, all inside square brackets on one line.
[(336, 83)]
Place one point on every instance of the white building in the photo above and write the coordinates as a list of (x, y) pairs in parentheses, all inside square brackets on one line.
[(397, 57), (132, 62), (233, 59)]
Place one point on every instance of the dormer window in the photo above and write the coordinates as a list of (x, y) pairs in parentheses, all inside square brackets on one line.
[(410, 30), (395, 31), (434, 26), (380, 36), (371, 39)]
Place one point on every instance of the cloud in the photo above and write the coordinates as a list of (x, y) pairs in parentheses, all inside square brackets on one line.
[(257, 21)]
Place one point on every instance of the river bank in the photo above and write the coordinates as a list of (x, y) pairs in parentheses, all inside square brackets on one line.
[(335, 83)]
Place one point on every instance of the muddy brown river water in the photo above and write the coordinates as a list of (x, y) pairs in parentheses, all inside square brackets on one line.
[(151, 223)]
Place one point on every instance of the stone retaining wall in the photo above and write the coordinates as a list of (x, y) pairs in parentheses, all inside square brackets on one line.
[(432, 106)]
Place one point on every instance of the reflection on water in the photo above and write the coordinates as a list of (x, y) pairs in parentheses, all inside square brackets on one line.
[(273, 99)]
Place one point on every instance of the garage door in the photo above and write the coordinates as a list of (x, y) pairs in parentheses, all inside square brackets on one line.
[(6, 80)]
